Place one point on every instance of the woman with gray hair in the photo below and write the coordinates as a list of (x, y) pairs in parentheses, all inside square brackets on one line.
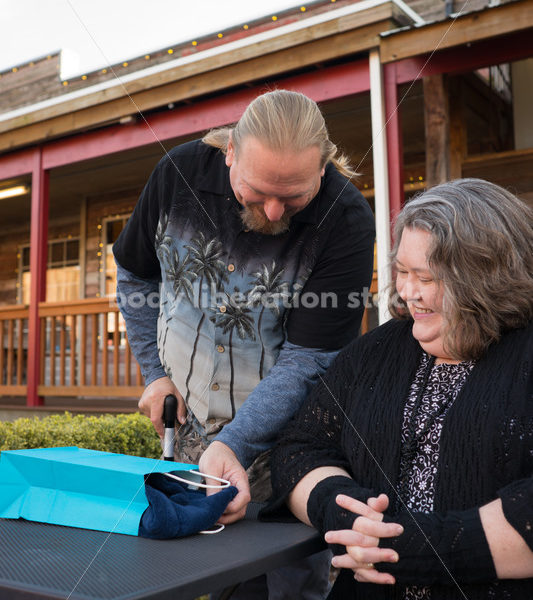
[(414, 454)]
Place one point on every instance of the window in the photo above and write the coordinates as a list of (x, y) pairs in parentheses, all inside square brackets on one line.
[(112, 227), (62, 275)]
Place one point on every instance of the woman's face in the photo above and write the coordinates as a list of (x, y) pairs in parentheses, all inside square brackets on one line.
[(420, 291)]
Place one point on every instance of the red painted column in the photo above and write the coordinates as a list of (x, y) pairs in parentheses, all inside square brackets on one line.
[(394, 140), (38, 262)]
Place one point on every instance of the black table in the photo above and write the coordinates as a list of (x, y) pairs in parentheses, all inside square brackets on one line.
[(49, 561)]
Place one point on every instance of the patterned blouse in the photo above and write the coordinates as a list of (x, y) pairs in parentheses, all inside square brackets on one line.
[(443, 386)]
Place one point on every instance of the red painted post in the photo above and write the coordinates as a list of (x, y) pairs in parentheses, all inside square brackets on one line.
[(394, 140), (38, 263)]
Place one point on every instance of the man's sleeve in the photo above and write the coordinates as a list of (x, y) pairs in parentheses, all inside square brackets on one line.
[(274, 401), (138, 300), (135, 247)]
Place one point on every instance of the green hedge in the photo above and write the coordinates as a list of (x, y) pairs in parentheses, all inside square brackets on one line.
[(123, 434)]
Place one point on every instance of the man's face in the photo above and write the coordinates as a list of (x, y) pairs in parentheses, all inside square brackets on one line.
[(272, 185)]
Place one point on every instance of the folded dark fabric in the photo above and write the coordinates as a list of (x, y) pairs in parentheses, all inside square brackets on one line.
[(175, 510)]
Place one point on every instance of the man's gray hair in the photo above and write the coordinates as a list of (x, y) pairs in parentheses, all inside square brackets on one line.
[(481, 250)]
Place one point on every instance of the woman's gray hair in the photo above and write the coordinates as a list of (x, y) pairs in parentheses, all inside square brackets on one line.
[(283, 120), (481, 250)]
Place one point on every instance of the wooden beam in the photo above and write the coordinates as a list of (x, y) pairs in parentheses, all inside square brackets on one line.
[(16, 164), (109, 391), (262, 68), (437, 129), (38, 264), (475, 26), (468, 57), (333, 82), (394, 141), (458, 145)]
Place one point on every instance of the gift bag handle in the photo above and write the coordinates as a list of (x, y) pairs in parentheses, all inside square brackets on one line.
[(206, 486)]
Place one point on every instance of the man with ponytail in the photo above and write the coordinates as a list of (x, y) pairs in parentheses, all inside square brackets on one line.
[(261, 250)]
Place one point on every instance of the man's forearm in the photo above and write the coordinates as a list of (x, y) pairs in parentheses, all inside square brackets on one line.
[(274, 401), (138, 300)]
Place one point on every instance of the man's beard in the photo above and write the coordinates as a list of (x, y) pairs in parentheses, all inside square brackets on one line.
[(254, 218)]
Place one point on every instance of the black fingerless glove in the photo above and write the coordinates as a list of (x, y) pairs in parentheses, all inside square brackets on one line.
[(452, 547), (325, 514)]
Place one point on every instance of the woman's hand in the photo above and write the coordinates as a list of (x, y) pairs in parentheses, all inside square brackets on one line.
[(361, 542)]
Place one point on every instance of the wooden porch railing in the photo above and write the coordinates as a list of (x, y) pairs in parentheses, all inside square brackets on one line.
[(84, 351), (13, 350)]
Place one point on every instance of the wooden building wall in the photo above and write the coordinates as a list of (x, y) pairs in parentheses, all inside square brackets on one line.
[(10, 242), (99, 208)]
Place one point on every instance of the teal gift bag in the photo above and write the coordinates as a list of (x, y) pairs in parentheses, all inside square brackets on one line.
[(79, 487)]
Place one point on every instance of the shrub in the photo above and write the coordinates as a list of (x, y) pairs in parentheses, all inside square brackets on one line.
[(124, 434)]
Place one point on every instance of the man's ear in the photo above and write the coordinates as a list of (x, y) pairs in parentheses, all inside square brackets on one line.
[(230, 152)]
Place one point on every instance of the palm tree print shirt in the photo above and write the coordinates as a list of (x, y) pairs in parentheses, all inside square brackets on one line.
[(231, 298)]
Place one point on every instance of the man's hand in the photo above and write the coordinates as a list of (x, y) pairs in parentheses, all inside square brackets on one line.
[(219, 460), (153, 399), (362, 540)]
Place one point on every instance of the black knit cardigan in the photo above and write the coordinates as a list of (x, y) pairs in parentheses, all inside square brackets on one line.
[(353, 419)]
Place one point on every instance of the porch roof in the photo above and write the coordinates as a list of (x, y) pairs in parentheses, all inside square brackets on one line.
[(336, 34)]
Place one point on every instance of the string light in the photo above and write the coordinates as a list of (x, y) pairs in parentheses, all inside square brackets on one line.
[(104, 71)]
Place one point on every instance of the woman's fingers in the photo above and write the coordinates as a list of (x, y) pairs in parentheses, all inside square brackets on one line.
[(373, 576), (344, 561), (358, 507), (349, 537), (377, 529), (367, 556), (379, 504)]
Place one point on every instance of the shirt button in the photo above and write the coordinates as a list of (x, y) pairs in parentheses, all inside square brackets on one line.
[(215, 387), (222, 309), (220, 348), (231, 267), (211, 421)]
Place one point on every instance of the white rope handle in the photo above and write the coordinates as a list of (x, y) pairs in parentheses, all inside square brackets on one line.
[(217, 528), (224, 482)]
